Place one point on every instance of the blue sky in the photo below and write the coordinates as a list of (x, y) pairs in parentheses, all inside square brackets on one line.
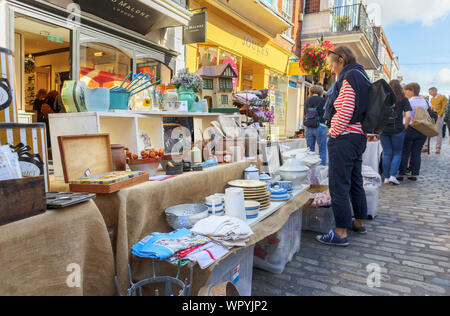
[(419, 34)]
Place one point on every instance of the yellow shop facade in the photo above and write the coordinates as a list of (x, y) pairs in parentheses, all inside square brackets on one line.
[(259, 61)]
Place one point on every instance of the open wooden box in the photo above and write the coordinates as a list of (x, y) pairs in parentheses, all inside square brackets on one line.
[(85, 155)]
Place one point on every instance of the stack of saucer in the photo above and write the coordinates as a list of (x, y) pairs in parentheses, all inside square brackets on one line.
[(279, 194), (254, 191)]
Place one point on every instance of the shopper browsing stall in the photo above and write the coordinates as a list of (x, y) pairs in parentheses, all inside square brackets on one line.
[(348, 142), (393, 134), (316, 130)]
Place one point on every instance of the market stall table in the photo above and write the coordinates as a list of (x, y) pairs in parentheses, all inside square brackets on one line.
[(40, 254)]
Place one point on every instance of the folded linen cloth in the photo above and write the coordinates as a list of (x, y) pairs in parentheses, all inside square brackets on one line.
[(162, 246), (207, 254), (226, 230)]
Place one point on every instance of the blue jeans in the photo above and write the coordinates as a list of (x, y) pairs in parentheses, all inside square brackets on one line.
[(320, 135), (392, 153)]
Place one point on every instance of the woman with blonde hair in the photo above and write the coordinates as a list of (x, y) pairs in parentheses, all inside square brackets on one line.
[(316, 130)]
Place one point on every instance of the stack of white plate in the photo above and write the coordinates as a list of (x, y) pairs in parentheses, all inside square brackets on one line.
[(254, 191)]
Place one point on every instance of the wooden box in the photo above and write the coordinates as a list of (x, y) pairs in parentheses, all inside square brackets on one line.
[(84, 155), (21, 198)]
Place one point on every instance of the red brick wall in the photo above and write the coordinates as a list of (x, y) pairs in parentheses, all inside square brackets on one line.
[(312, 6)]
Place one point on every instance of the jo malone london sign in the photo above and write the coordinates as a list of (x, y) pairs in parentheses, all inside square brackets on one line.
[(131, 14), (195, 32)]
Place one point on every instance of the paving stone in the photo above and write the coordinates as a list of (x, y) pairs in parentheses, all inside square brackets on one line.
[(409, 240)]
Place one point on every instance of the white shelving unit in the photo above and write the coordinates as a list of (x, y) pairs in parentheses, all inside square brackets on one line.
[(123, 127)]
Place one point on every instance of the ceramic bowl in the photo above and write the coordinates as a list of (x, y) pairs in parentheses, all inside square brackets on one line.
[(185, 215), (252, 209), (148, 165)]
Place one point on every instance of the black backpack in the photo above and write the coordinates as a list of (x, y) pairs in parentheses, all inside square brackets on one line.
[(379, 107), (312, 119)]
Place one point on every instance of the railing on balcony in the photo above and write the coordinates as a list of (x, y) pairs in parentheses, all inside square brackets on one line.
[(182, 3), (353, 18)]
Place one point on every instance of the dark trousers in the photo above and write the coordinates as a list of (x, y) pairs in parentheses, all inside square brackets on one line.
[(412, 148), (346, 181)]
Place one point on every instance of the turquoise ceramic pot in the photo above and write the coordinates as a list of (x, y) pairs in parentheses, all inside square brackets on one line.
[(195, 104)]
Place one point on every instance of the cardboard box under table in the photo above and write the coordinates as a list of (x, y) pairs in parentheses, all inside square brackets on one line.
[(88, 166)]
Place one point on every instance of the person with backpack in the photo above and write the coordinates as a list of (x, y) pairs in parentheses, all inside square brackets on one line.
[(345, 111), (414, 140), (393, 135), (316, 130)]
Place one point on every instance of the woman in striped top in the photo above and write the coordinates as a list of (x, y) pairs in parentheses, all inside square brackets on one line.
[(346, 146)]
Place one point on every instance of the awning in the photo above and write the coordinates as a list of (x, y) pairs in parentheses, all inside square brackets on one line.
[(141, 16), (296, 70)]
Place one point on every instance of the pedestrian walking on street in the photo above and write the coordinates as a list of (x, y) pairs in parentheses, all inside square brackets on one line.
[(447, 117), (414, 140), (345, 109), (439, 103), (393, 135), (316, 130)]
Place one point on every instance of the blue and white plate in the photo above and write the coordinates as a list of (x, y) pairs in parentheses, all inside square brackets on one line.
[(282, 198)]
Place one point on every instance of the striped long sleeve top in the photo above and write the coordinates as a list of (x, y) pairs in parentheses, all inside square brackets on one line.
[(345, 107)]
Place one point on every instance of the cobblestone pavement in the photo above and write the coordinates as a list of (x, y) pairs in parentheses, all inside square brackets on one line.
[(409, 240)]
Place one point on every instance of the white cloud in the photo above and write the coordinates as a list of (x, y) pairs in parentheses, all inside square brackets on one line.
[(386, 12), (428, 78), (443, 78)]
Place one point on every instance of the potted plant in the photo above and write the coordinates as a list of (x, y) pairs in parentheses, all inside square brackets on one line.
[(188, 84), (314, 60), (343, 22)]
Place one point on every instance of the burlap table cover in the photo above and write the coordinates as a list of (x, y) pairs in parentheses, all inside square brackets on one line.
[(36, 253), (135, 212), (142, 268)]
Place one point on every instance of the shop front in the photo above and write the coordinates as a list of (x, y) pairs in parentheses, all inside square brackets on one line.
[(53, 44), (257, 59)]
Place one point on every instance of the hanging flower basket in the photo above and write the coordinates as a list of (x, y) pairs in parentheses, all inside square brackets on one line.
[(314, 59)]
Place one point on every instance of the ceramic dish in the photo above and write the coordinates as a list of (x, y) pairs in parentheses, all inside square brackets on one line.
[(290, 196), (185, 215), (248, 184)]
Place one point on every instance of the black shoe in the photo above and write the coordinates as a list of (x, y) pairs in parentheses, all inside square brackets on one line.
[(360, 230), (400, 178), (412, 179)]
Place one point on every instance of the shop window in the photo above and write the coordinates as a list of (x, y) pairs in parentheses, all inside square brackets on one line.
[(226, 84), (208, 84), (207, 56), (312, 6), (235, 63), (154, 69), (102, 65)]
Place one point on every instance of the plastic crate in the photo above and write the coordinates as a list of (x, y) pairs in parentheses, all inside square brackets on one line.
[(319, 220), (237, 269), (275, 252), (372, 196)]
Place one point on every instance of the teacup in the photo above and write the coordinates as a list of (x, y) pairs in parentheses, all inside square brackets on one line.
[(288, 185)]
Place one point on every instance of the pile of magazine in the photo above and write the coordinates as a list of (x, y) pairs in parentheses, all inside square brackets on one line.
[(9, 164)]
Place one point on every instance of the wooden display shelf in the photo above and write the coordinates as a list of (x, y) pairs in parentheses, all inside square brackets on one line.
[(123, 127)]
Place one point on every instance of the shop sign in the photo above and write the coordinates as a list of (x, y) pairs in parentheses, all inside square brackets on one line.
[(195, 32), (131, 14), (255, 46)]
